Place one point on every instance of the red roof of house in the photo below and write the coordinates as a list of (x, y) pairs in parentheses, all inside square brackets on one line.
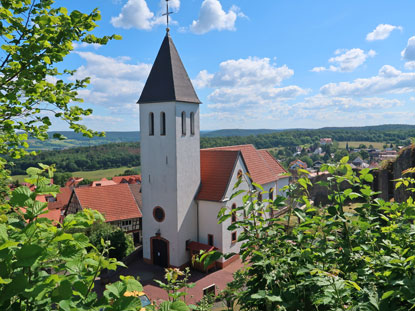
[(62, 199), (73, 181), (262, 167), (115, 202), (103, 182), (131, 179), (54, 215), (216, 167)]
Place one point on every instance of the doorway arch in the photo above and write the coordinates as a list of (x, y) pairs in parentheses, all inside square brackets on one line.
[(160, 254)]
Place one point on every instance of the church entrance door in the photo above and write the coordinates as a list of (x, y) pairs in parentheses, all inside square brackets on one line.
[(160, 253)]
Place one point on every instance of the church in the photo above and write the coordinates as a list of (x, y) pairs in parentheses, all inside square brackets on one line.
[(184, 187)]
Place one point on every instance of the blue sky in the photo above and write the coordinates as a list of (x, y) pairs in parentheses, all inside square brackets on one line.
[(257, 64)]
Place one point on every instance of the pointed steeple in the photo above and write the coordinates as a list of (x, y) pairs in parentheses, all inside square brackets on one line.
[(168, 80)]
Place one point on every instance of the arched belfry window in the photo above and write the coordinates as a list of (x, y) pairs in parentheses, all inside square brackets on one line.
[(183, 123), (151, 124), (192, 123), (162, 123)]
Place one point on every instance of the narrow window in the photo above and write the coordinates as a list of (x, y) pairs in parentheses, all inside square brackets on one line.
[(192, 123), (162, 123), (183, 123), (233, 218), (210, 239), (260, 197), (234, 237), (271, 193), (151, 124)]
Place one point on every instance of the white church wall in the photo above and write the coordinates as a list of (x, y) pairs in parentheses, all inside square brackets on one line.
[(208, 222), (188, 178), (228, 246), (158, 171), (282, 182)]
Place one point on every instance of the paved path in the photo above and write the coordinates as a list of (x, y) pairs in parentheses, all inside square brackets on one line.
[(147, 273)]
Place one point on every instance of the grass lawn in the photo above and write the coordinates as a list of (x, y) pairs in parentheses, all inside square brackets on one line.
[(355, 144), (92, 175)]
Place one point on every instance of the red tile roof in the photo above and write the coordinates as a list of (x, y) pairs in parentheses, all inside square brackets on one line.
[(103, 182), (131, 179), (62, 199), (54, 215), (73, 181), (262, 167), (216, 167), (115, 202)]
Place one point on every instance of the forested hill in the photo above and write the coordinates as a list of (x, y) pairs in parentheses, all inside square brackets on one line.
[(127, 153), (379, 133)]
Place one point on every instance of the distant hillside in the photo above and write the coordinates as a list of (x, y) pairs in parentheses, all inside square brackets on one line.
[(238, 132), (265, 138)]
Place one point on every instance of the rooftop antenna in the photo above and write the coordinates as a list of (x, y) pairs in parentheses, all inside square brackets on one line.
[(167, 14)]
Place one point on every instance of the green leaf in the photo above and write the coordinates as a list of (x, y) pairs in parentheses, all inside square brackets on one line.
[(387, 294), (28, 254)]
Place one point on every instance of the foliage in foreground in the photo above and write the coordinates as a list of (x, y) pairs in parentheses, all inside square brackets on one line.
[(335, 258), (121, 243), (44, 267)]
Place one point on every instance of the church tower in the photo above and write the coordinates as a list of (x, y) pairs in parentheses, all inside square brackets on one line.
[(170, 159)]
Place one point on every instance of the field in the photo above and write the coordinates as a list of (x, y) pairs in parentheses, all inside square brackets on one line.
[(355, 144), (92, 175)]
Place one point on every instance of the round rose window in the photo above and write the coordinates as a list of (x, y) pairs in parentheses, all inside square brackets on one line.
[(158, 214)]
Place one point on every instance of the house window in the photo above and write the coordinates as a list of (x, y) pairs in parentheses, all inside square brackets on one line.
[(234, 218), (234, 237), (192, 123), (162, 123), (260, 197), (183, 123), (239, 174), (271, 193), (151, 124), (210, 239), (158, 214)]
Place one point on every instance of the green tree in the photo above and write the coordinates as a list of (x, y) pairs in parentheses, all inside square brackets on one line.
[(37, 35), (337, 257), (121, 243), (44, 267), (61, 178)]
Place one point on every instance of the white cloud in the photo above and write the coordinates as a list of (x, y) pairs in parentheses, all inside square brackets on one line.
[(410, 65), (203, 79), (381, 32), (388, 80), (320, 102), (81, 45), (115, 84), (409, 52), (213, 17), (412, 98), (136, 14), (346, 60), (248, 83)]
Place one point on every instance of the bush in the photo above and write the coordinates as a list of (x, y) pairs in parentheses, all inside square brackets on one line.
[(121, 243), (337, 257)]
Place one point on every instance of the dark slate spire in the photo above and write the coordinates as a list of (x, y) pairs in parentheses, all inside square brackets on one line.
[(168, 80)]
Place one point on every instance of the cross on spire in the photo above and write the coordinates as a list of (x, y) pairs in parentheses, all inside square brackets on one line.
[(167, 14)]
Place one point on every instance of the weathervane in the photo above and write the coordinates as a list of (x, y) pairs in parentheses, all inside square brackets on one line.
[(167, 14)]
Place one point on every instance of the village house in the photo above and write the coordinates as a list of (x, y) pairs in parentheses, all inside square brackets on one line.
[(326, 141), (183, 187), (120, 204)]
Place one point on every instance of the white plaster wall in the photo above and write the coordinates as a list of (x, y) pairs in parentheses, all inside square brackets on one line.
[(282, 182), (188, 178), (170, 170), (208, 222), (158, 173), (227, 245)]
